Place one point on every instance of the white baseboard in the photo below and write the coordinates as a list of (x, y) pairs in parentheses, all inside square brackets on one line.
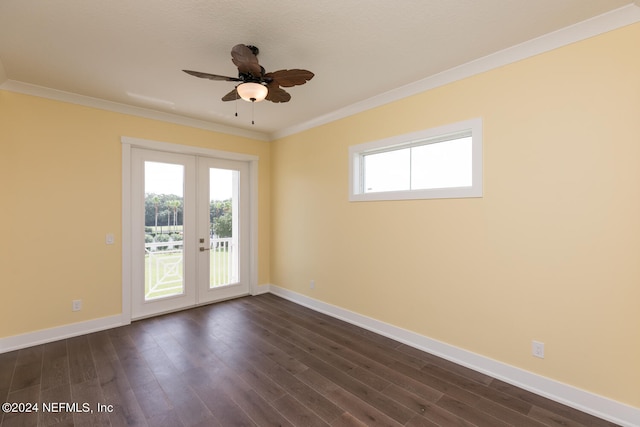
[(590, 403), (43, 336), (584, 401), (261, 289)]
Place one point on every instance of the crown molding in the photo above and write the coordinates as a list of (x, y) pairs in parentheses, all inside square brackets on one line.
[(87, 101), (609, 21), (600, 24)]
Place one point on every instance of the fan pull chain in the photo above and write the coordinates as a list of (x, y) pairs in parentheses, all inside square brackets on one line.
[(236, 101), (253, 107)]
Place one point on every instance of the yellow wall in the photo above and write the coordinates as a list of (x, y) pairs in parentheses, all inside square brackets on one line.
[(549, 253), (61, 177), (552, 250)]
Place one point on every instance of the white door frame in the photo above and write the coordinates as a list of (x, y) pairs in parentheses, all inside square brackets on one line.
[(127, 144), (241, 224)]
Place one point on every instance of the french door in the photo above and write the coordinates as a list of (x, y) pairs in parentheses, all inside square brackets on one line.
[(190, 236)]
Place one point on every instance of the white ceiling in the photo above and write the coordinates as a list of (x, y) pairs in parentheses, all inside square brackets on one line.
[(132, 51)]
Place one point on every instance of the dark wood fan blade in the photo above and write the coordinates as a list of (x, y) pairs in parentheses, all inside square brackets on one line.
[(288, 78), (212, 76), (245, 60), (231, 96), (277, 94)]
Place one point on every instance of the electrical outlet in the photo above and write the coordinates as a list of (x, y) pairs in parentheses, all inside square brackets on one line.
[(76, 305), (537, 349), (312, 284)]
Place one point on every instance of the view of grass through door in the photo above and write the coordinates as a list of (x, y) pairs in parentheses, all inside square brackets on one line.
[(164, 237)]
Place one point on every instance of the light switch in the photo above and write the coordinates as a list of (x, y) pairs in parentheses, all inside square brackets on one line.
[(110, 239)]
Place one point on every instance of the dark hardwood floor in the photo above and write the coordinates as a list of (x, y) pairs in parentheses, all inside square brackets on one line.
[(258, 361)]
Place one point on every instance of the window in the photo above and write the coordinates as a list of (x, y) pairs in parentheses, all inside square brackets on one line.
[(444, 162)]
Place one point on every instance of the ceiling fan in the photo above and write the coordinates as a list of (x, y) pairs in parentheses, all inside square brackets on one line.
[(254, 83)]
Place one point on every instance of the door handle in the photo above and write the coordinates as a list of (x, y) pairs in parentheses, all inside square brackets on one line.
[(204, 249)]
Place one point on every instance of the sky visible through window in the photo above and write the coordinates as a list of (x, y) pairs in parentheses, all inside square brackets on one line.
[(438, 165), (167, 178)]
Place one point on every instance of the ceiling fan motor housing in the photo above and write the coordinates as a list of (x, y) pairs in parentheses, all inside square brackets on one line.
[(250, 78)]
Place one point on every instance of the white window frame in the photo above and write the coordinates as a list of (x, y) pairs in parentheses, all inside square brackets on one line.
[(427, 136)]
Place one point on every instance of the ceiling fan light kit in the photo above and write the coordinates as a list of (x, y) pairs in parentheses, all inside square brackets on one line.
[(255, 84), (253, 92)]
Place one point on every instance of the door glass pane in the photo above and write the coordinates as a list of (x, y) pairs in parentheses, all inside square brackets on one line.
[(223, 227), (164, 251)]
